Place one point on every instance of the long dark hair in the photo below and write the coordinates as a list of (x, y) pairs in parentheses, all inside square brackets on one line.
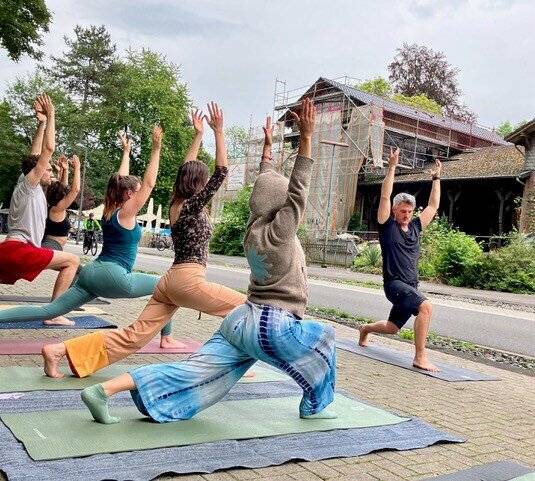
[(118, 186), (190, 179), (55, 192)]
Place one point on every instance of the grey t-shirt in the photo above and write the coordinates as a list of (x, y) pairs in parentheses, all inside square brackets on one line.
[(27, 213)]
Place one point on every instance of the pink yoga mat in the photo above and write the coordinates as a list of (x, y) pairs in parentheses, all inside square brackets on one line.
[(153, 347)]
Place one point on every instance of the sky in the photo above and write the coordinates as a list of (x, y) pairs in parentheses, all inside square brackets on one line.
[(233, 51)]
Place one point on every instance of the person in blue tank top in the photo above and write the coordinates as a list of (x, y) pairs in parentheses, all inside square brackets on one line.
[(110, 275)]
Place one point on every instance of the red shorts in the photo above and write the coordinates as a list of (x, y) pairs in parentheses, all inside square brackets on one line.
[(21, 260)]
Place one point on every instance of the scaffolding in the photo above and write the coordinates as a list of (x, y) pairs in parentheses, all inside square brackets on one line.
[(352, 137)]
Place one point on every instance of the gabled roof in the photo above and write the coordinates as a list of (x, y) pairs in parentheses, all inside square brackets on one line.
[(413, 113), (485, 163), (519, 135)]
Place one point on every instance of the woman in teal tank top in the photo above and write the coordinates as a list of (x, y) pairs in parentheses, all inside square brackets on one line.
[(110, 275)]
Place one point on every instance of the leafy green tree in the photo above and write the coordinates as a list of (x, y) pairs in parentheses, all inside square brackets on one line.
[(377, 86), (13, 146), (228, 234), (146, 89), (22, 22), (505, 128), (420, 101)]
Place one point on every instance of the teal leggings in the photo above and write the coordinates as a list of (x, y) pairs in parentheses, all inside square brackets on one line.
[(99, 278)]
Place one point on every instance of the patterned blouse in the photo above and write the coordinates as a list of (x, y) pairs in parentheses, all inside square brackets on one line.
[(192, 231)]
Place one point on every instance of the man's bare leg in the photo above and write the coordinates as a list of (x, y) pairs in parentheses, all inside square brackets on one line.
[(380, 327), (67, 265), (421, 328), (52, 355)]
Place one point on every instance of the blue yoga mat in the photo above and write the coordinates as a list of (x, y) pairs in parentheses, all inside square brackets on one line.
[(82, 322)]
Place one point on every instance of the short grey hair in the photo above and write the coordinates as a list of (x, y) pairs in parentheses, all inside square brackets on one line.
[(404, 198)]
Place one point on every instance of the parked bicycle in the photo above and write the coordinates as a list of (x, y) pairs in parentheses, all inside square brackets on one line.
[(160, 242)]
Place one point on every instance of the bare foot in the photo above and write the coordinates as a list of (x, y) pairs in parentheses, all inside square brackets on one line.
[(59, 321), (423, 363), (52, 354), (363, 338), (249, 374), (167, 342)]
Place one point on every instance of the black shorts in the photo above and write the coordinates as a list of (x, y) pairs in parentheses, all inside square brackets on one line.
[(406, 301)]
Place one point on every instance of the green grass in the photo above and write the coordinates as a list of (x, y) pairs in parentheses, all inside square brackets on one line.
[(154, 273), (334, 314)]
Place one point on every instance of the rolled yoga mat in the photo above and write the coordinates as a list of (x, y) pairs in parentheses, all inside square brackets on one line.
[(396, 358), (21, 379), (74, 433), (81, 322), (42, 299), (498, 471), (145, 465), (34, 346)]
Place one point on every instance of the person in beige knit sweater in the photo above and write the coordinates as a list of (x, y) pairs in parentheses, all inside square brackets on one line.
[(267, 327)]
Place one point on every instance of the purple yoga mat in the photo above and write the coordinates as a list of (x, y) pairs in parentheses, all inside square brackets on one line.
[(16, 346)]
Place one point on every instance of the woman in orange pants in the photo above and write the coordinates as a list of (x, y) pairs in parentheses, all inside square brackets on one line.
[(183, 285)]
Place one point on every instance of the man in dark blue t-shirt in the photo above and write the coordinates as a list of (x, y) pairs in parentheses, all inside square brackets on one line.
[(399, 236)]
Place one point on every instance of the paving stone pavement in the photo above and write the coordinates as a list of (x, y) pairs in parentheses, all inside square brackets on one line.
[(497, 418)]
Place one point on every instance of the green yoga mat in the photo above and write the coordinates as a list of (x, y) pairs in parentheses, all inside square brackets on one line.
[(20, 379), (526, 477), (73, 433)]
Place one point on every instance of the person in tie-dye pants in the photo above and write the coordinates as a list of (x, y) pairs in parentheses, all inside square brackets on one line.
[(267, 327)]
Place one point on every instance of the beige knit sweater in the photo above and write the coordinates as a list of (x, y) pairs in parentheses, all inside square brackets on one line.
[(275, 255)]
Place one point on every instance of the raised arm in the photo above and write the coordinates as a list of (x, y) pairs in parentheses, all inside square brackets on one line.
[(385, 206), (266, 163), (133, 205), (215, 121), (63, 163), (49, 142), (198, 201), (126, 143), (286, 222), (37, 142), (65, 203), (430, 211), (197, 118)]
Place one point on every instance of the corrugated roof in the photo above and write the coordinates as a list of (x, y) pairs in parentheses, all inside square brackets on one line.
[(413, 113), (484, 163)]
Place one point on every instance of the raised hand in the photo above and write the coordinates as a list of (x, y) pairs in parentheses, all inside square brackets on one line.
[(157, 134), (306, 119), (126, 143), (63, 162), (437, 170), (39, 112), (268, 132), (75, 162), (216, 117), (46, 105), (393, 159), (197, 118)]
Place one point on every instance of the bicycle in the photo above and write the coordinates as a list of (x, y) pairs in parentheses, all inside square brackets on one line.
[(90, 243), (163, 242)]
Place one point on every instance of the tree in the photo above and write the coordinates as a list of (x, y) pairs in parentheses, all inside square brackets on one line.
[(419, 70), (13, 147), (377, 86), (228, 235), (86, 65), (420, 102), (505, 128), (22, 22), (237, 138), (145, 89)]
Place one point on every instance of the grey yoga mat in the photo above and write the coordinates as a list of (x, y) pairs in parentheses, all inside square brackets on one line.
[(390, 356), (43, 299), (498, 471), (204, 458)]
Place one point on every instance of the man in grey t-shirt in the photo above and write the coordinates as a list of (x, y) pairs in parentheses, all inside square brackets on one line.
[(21, 255)]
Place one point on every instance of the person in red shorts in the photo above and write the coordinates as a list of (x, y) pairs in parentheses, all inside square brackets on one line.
[(21, 255)]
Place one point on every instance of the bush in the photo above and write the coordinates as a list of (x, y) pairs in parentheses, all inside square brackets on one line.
[(369, 260), (228, 234), (355, 223), (510, 268)]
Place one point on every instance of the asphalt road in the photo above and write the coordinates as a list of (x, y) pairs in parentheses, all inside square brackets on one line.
[(499, 328)]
